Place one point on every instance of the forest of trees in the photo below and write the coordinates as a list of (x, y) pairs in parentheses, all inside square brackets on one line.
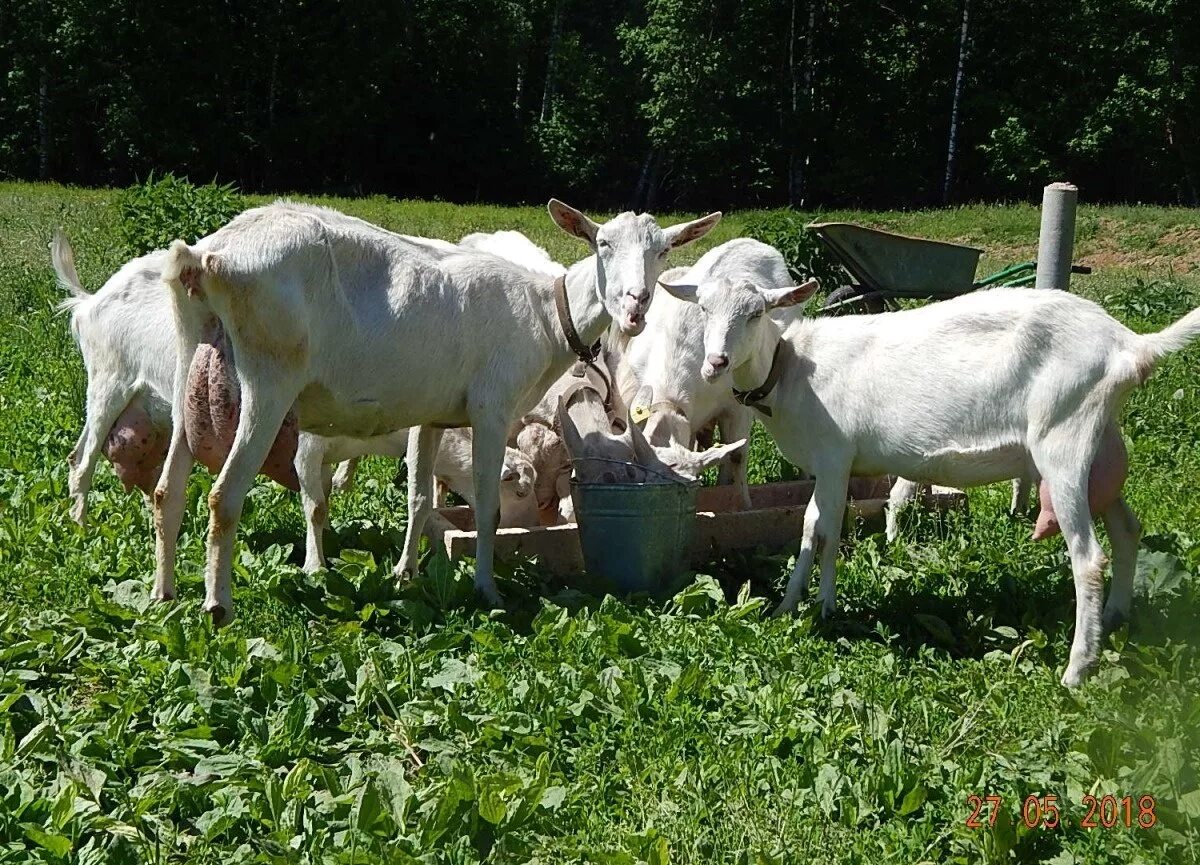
[(642, 103)]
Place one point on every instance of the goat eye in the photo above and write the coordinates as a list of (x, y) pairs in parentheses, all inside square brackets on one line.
[(603, 244), (755, 316), (663, 253)]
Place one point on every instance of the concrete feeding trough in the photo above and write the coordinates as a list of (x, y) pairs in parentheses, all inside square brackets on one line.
[(774, 522)]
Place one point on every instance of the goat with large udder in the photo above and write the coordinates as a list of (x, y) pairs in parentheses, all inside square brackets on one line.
[(126, 335), (365, 332), (969, 391), (658, 373)]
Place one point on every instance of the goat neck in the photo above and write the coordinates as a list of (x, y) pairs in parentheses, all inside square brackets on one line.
[(751, 374)]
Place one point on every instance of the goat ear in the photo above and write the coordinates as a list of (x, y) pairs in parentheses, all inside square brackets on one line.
[(716, 454), (686, 232), (642, 449), (681, 292), (572, 221), (791, 295), (570, 433)]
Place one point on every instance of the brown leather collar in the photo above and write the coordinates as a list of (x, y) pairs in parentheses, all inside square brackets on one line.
[(754, 398), (587, 355)]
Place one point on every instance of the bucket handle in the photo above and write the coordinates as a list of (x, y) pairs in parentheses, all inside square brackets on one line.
[(672, 478)]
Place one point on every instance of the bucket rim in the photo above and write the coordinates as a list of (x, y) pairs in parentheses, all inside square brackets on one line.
[(628, 487)]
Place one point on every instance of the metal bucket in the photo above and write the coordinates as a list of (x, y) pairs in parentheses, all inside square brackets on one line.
[(635, 536)]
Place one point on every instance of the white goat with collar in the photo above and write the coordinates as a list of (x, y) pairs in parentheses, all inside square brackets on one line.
[(659, 371), (964, 392), (365, 332)]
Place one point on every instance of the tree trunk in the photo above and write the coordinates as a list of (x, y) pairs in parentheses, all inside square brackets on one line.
[(551, 56), (44, 125), (641, 191), (802, 137), (960, 76)]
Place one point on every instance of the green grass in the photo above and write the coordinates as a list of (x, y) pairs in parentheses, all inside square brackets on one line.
[(341, 719)]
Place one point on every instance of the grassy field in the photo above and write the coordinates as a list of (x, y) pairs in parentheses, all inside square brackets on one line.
[(344, 720)]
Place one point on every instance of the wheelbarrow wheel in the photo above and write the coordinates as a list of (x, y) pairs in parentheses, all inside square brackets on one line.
[(854, 300)]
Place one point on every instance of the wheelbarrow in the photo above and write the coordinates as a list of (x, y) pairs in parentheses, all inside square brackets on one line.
[(889, 267)]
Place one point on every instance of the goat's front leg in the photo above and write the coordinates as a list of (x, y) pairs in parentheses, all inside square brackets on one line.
[(487, 460), (1021, 488), (265, 403), (903, 491), (734, 426), (343, 479), (829, 496), (423, 445), (311, 471)]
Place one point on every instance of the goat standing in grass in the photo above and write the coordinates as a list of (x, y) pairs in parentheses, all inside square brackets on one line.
[(970, 391), (365, 332)]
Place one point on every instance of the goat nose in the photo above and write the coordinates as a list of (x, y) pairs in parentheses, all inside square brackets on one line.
[(718, 361)]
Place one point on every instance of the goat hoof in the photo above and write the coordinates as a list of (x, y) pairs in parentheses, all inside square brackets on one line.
[(1075, 675), (1114, 619), (219, 615), (784, 609), (163, 597), (492, 598)]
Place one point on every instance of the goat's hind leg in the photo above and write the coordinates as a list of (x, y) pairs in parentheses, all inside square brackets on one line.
[(105, 402), (1063, 462), (1124, 531)]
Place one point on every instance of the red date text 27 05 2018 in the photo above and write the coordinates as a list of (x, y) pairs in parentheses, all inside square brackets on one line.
[(1101, 812)]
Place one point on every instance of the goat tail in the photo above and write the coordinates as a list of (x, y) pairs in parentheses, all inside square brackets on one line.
[(1156, 346), (62, 257)]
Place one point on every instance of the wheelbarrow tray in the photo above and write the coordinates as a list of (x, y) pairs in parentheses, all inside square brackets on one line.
[(774, 522), (895, 265)]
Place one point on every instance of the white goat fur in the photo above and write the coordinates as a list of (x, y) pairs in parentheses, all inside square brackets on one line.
[(335, 316), (126, 336), (964, 392), (663, 362), (517, 248)]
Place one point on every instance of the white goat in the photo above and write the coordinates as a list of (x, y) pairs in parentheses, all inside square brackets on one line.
[(126, 337), (515, 247), (451, 467), (659, 371), (969, 391), (365, 333)]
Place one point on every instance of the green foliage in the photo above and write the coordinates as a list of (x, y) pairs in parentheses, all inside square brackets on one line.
[(804, 254), (158, 211), (643, 103), (344, 718)]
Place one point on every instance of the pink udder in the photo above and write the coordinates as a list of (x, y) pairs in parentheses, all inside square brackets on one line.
[(137, 449), (1105, 480), (211, 409)]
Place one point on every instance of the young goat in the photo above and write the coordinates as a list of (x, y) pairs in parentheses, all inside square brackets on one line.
[(365, 332), (659, 371), (969, 391)]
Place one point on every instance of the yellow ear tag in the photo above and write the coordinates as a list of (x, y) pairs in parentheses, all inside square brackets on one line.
[(640, 413)]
